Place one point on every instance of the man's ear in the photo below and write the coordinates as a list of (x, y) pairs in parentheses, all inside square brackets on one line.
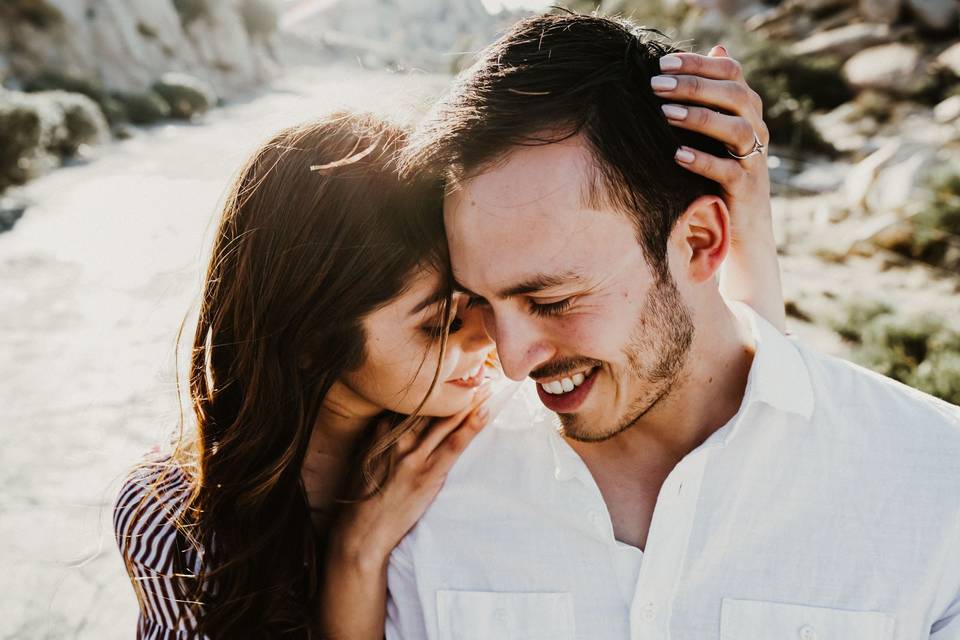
[(702, 237)]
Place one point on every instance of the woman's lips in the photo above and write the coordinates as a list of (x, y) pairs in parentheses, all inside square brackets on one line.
[(473, 381)]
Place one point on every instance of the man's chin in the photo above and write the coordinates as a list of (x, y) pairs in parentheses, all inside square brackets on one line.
[(580, 428)]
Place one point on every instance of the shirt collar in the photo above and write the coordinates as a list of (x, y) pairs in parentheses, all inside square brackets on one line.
[(778, 377)]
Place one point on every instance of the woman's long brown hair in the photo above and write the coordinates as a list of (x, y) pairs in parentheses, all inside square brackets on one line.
[(317, 232)]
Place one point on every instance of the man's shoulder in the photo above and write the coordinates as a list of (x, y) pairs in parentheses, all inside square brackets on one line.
[(845, 388)]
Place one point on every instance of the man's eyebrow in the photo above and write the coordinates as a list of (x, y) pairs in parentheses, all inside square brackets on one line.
[(430, 300), (533, 284)]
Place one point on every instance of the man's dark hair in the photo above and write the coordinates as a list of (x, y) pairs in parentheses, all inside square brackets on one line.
[(551, 77)]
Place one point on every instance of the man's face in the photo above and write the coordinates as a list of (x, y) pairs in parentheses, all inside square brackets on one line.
[(566, 291)]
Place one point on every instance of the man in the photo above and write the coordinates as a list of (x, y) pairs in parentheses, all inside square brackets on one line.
[(709, 478)]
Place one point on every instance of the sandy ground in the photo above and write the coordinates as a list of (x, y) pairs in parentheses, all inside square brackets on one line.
[(96, 278)]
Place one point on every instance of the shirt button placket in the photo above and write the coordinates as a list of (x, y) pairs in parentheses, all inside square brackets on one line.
[(666, 545)]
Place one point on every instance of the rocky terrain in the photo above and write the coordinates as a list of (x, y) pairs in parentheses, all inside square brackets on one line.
[(412, 34), (75, 72)]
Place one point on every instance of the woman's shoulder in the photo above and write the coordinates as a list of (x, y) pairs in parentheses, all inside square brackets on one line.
[(147, 513)]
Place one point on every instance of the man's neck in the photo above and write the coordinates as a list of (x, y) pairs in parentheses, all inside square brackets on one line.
[(708, 394)]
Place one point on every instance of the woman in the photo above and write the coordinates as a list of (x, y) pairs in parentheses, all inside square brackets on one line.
[(334, 379)]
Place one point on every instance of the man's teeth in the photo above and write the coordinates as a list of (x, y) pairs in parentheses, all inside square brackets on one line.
[(565, 385)]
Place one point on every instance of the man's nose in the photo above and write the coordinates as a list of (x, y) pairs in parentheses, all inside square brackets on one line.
[(520, 344)]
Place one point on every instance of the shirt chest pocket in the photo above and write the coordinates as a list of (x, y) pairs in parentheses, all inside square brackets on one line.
[(491, 615), (761, 620)]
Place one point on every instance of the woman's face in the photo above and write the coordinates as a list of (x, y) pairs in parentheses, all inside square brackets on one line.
[(403, 344)]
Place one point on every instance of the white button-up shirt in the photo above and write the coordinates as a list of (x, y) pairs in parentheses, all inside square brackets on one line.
[(827, 508)]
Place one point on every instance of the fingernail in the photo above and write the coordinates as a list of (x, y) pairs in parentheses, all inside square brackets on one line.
[(684, 155), (723, 50), (663, 83), (674, 112), (670, 63)]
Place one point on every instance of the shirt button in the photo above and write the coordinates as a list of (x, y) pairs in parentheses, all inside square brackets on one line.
[(807, 632), (597, 521), (649, 611)]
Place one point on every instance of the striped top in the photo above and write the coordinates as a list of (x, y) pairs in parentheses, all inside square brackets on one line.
[(155, 552)]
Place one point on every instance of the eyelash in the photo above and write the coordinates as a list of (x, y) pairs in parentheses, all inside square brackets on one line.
[(552, 309), (542, 310), (435, 332)]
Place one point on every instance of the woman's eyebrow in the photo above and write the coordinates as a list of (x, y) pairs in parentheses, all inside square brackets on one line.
[(430, 300)]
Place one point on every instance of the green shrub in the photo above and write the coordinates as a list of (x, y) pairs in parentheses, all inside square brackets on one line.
[(83, 122), (185, 94), (39, 13), (920, 351), (144, 108), (939, 375), (38, 129), (943, 207), (112, 108), (856, 316), (21, 138)]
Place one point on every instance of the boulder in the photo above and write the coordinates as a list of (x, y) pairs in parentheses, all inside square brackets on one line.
[(896, 68), (898, 184), (127, 45), (950, 59), (844, 41), (857, 184), (186, 94), (948, 110), (10, 212), (940, 15), (881, 10)]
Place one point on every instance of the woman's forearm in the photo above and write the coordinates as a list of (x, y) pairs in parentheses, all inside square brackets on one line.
[(352, 601), (752, 275)]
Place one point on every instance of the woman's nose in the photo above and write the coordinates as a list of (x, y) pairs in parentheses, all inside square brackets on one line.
[(475, 336)]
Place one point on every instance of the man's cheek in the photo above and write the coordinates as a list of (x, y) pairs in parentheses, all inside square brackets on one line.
[(589, 336)]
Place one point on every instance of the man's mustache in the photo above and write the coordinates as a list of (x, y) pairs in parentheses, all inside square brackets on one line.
[(567, 365)]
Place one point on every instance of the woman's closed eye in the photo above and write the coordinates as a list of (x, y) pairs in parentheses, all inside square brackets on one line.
[(435, 329)]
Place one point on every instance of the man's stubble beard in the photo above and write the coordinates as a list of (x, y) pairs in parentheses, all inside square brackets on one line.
[(664, 329)]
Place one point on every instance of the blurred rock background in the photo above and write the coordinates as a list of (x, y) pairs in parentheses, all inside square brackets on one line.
[(122, 121)]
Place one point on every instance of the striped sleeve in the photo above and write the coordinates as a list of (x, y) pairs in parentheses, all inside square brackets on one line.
[(144, 523)]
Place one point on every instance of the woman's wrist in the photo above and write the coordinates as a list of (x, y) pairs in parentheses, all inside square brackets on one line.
[(362, 553)]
